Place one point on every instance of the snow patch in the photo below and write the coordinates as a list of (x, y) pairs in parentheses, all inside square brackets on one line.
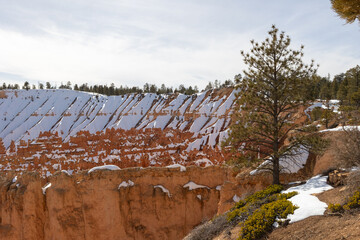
[(308, 204), (14, 179), (125, 184), (191, 185), (105, 167), (236, 198), (45, 187), (163, 189), (66, 172), (182, 168), (341, 128)]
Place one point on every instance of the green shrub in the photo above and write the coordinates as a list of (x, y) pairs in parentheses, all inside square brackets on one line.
[(264, 193), (335, 208), (354, 201), (259, 211), (261, 222), (316, 113), (243, 208)]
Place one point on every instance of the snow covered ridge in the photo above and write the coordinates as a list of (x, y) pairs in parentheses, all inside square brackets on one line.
[(24, 114), (52, 130)]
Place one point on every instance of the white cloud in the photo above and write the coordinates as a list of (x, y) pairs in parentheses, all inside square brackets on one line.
[(157, 41)]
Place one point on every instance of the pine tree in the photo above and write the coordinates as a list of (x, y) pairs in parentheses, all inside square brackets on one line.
[(273, 88), (347, 9), (26, 85)]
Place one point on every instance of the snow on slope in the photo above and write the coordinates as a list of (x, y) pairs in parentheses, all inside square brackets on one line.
[(24, 114), (309, 205)]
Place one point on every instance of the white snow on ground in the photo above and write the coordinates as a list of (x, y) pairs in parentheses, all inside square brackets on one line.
[(191, 185), (163, 189), (182, 168), (341, 128), (332, 104), (218, 187), (46, 187), (308, 204), (125, 184), (198, 196), (289, 164), (105, 167)]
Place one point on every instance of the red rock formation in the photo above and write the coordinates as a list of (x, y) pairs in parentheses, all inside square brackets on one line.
[(93, 206), (90, 206), (131, 148), (3, 94), (2, 148)]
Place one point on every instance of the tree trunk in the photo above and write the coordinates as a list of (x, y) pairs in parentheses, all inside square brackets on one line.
[(276, 171)]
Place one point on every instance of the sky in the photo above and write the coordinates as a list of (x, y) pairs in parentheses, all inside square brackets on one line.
[(133, 42)]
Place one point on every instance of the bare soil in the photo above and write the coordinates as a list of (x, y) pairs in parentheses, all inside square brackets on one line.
[(329, 227)]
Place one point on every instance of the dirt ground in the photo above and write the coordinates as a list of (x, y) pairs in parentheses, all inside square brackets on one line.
[(346, 226), (329, 227)]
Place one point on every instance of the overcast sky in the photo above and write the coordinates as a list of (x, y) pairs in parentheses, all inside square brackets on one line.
[(190, 42)]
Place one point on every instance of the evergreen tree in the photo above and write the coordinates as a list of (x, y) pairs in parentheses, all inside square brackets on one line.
[(48, 85), (209, 86), (335, 84), (273, 88), (26, 85), (325, 89), (347, 9)]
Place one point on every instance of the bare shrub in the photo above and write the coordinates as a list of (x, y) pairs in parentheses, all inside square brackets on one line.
[(348, 148), (353, 181), (209, 230)]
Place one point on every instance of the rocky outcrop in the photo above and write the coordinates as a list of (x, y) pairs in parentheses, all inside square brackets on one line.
[(125, 204), (337, 178), (133, 203)]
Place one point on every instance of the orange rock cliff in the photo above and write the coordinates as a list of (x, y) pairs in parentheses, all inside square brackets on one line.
[(133, 203)]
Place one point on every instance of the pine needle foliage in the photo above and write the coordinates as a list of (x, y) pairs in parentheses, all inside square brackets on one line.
[(347, 9), (270, 94)]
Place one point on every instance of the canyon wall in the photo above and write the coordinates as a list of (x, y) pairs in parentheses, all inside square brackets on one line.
[(134, 203)]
